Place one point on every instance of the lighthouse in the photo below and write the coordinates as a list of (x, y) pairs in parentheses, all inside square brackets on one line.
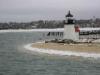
[(71, 32)]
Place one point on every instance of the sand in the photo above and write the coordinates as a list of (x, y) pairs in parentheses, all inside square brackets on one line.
[(88, 48)]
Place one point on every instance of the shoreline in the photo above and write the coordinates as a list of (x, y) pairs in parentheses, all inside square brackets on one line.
[(61, 52), (84, 47), (30, 30)]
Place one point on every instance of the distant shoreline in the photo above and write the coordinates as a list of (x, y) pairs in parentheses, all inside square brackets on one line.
[(31, 30), (43, 49)]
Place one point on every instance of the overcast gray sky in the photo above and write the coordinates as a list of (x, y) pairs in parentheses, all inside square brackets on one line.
[(29, 10)]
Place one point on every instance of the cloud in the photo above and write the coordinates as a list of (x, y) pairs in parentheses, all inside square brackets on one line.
[(44, 8)]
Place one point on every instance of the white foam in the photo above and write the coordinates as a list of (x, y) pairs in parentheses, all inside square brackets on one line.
[(62, 53), (45, 30), (32, 30)]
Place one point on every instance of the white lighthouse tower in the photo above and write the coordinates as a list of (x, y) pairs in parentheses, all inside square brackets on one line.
[(71, 32)]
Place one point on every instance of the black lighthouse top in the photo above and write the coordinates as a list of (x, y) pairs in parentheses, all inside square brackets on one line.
[(69, 14), (69, 19)]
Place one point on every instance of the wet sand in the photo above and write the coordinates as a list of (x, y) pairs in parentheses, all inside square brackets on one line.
[(89, 48)]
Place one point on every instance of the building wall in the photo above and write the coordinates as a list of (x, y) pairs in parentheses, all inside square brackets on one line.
[(69, 33)]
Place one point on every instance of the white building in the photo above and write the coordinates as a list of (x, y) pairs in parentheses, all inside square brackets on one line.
[(70, 31)]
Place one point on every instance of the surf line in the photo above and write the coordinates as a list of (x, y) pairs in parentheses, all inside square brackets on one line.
[(61, 53)]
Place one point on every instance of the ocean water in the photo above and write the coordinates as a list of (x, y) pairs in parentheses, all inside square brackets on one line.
[(15, 60)]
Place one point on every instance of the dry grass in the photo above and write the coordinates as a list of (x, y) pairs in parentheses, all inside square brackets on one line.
[(91, 48)]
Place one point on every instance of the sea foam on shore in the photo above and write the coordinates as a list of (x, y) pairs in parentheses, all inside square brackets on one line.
[(62, 53), (32, 30)]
